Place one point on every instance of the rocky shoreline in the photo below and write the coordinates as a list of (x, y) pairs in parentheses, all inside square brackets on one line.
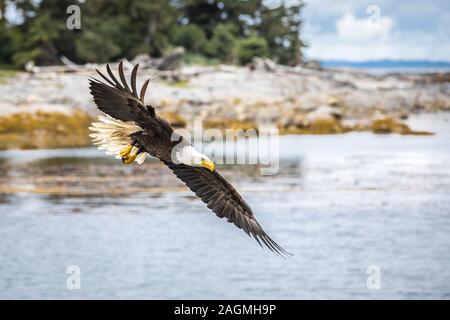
[(297, 100)]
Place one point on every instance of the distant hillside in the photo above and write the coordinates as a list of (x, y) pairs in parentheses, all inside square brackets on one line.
[(387, 64)]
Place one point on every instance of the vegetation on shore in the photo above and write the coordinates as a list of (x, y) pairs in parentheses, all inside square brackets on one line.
[(42, 130), (6, 74), (382, 125)]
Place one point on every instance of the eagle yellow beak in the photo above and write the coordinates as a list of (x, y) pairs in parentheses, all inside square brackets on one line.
[(208, 165)]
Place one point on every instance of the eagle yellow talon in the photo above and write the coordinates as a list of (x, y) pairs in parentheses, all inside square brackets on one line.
[(128, 158), (125, 152)]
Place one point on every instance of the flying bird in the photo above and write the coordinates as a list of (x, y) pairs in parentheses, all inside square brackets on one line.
[(130, 130)]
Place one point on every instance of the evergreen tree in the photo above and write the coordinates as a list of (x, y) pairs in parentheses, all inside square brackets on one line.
[(280, 26), (111, 30)]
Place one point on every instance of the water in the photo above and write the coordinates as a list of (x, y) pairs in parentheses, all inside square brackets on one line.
[(339, 203)]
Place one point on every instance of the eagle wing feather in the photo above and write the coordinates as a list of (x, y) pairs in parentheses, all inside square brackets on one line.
[(223, 199)]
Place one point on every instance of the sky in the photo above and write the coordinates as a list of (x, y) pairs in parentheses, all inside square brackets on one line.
[(359, 30)]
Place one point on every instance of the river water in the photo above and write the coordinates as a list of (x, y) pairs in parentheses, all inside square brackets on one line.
[(353, 209)]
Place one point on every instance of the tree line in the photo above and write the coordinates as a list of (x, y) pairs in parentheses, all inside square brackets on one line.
[(230, 31)]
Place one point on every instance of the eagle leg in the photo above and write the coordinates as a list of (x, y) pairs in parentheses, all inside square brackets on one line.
[(127, 156)]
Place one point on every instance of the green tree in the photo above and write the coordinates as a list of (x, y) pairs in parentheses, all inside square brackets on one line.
[(150, 22), (251, 47), (43, 32), (92, 46), (222, 42), (280, 26), (41, 41), (6, 36), (135, 26), (207, 14), (190, 36), (112, 30)]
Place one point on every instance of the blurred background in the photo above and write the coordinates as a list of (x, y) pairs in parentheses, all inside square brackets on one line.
[(360, 94)]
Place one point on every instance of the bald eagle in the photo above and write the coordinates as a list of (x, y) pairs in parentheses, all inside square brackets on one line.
[(130, 130)]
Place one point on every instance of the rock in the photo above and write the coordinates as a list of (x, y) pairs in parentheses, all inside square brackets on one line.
[(297, 99), (145, 61), (263, 64), (324, 113), (30, 67), (66, 61), (324, 120), (313, 64), (335, 101), (172, 60), (387, 124)]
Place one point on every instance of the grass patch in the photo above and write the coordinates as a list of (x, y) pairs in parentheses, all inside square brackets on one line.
[(386, 125), (390, 125), (45, 130), (6, 74), (318, 126), (177, 83), (234, 124)]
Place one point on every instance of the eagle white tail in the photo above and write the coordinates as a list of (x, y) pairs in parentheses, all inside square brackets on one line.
[(113, 136)]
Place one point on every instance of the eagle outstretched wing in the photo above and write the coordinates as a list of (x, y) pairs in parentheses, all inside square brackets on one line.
[(223, 199)]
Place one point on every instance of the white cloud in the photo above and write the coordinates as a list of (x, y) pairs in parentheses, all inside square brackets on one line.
[(395, 46), (356, 39), (402, 30), (349, 28)]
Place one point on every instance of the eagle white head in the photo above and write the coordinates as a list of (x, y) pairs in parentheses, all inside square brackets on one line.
[(189, 156)]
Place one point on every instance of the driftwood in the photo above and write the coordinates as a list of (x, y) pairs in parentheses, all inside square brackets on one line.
[(167, 64), (65, 68)]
